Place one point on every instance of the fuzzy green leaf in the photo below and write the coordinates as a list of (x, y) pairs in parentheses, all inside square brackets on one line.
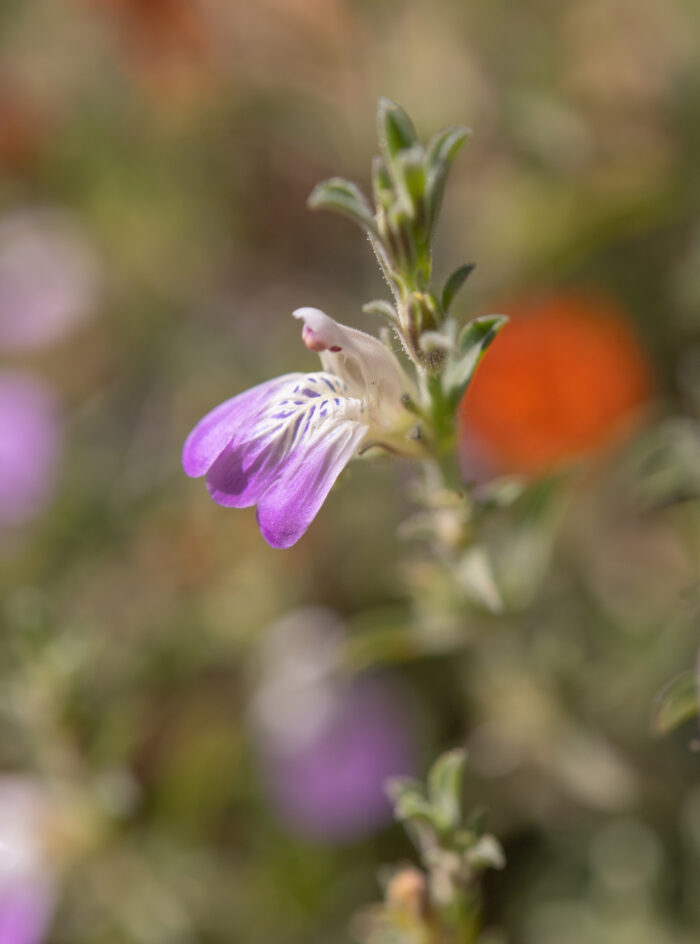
[(676, 704), (342, 196), (445, 144), (413, 809), (380, 307), (409, 802), (382, 187), (397, 787), (442, 150), (487, 853), (400, 224), (454, 284), (411, 170), (396, 131), (472, 344), (445, 788)]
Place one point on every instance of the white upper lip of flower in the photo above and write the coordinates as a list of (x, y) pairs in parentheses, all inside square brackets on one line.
[(369, 369)]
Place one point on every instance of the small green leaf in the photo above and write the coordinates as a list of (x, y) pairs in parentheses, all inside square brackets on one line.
[(409, 801), (397, 787), (486, 854), (445, 788), (473, 341), (476, 821), (436, 341), (666, 464), (380, 307), (344, 197), (396, 131), (499, 493), (411, 170), (382, 187), (442, 150), (413, 809), (401, 225), (454, 284), (445, 144), (676, 704), (475, 576), (480, 332)]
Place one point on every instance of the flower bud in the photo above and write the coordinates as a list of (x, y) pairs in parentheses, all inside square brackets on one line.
[(408, 891)]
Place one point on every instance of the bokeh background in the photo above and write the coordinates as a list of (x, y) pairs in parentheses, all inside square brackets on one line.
[(194, 727)]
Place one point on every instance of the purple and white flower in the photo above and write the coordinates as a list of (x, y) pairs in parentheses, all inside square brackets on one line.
[(281, 445)]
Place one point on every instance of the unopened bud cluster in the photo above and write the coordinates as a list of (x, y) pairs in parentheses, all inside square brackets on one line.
[(440, 902), (408, 182)]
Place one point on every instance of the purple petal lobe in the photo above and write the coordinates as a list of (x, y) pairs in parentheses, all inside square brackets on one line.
[(289, 505), (243, 472), (226, 423), (281, 446), (268, 441)]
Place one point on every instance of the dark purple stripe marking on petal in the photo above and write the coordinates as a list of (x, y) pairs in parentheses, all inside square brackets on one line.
[(308, 419)]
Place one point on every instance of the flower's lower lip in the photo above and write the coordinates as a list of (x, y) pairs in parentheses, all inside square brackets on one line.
[(281, 445)]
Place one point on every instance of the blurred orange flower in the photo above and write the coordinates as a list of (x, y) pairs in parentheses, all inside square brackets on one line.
[(159, 27), (167, 42), (565, 377)]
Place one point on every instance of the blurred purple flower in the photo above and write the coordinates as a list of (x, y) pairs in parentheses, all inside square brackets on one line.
[(48, 279), (25, 910), (328, 743), (27, 892), (282, 444), (29, 446), (332, 788)]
